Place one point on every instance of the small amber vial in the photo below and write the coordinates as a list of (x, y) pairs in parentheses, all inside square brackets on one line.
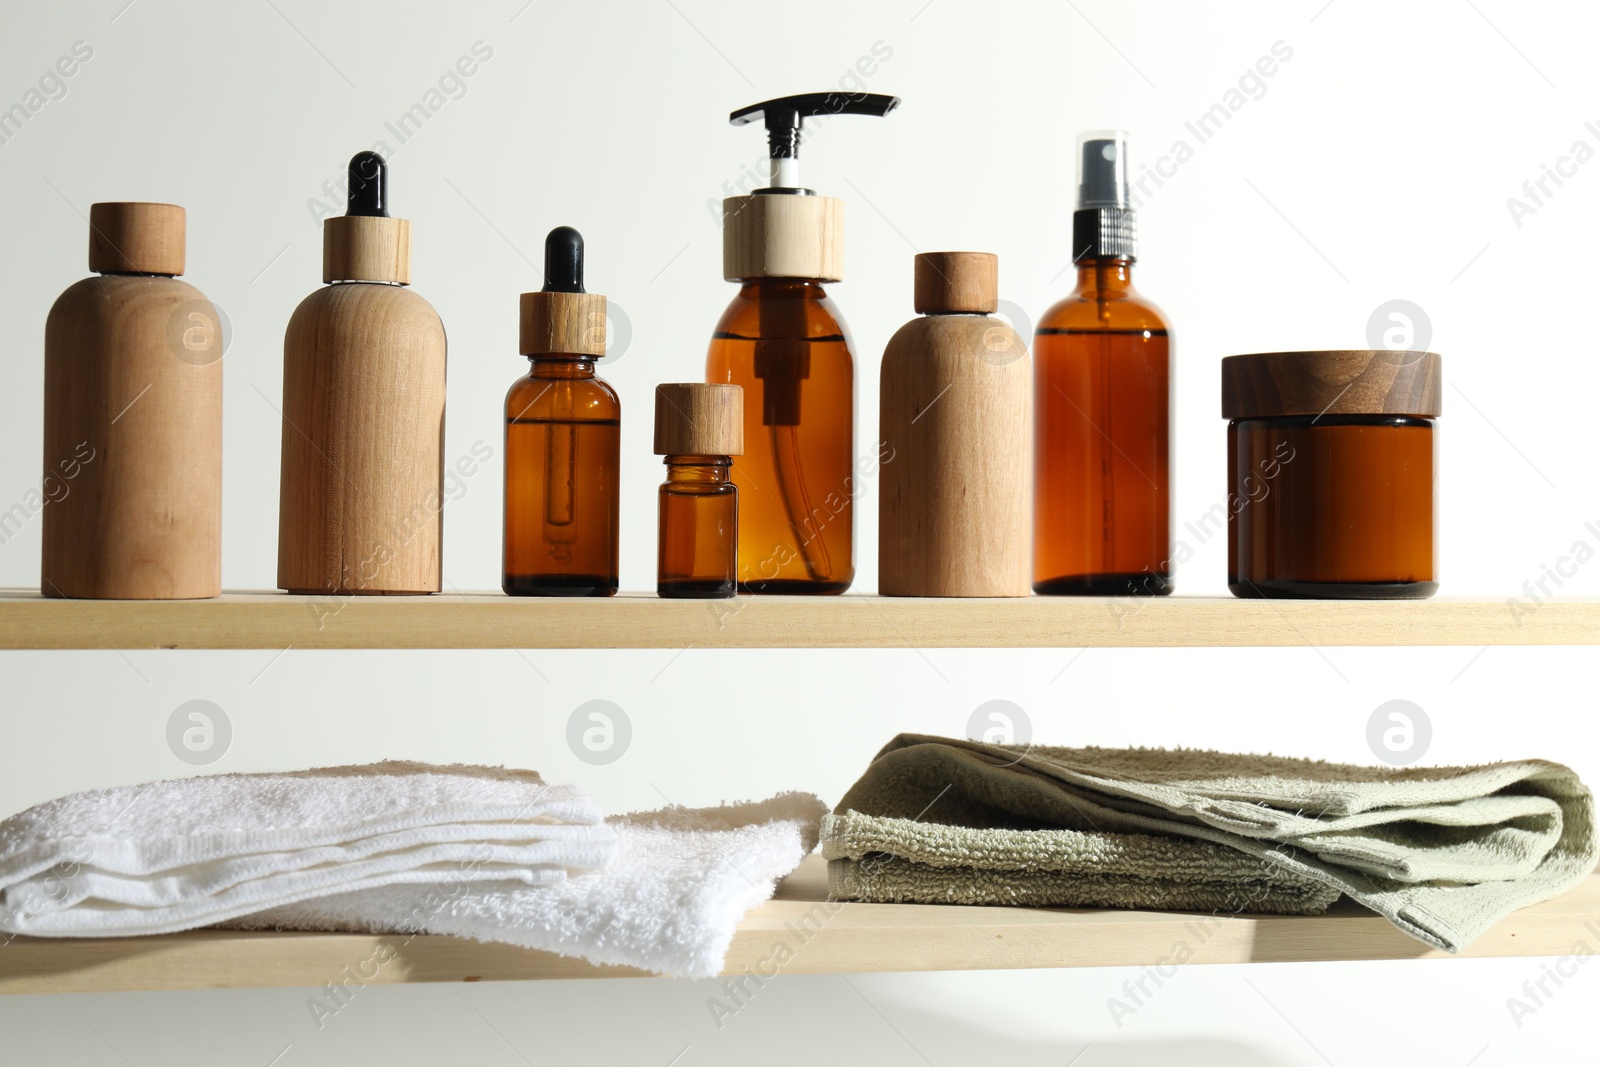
[(1331, 474), (699, 429)]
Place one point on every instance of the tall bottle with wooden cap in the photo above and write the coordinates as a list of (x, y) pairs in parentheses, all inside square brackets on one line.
[(956, 411), (699, 428), (362, 495), (1102, 509), (563, 440), (783, 342), (133, 420)]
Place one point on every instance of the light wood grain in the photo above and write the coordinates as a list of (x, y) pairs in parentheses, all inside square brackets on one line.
[(361, 496), (570, 324), (817, 937), (946, 283), (639, 620), (366, 248), (132, 441), (778, 235), (955, 491), (138, 238), (699, 419)]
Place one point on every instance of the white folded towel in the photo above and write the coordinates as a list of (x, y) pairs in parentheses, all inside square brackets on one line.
[(173, 855), (668, 902)]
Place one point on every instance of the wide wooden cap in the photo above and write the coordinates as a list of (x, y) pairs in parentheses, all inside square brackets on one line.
[(572, 324), (950, 283), (782, 235), (366, 248), (697, 419), (1352, 382), (136, 238)]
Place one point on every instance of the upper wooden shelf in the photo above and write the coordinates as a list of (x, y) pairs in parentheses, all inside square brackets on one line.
[(490, 620), (823, 938)]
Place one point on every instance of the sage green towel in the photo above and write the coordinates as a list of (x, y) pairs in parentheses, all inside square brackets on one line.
[(1442, 852)]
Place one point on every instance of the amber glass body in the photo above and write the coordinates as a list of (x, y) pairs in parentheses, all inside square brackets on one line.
[(1332, 506), (783, 342), (699, 532), (562, 451), (1102, 499)]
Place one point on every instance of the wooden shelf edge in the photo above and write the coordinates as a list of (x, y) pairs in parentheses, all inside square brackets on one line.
[(490, 621), (799, 932)]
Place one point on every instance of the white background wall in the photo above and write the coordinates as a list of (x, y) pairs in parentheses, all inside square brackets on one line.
[(1375, 164)]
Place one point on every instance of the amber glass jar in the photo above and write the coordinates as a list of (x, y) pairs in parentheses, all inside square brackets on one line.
[(699, 428), (1331, 474)]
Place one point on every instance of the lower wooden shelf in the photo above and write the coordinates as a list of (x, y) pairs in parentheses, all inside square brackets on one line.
[(816, 937)]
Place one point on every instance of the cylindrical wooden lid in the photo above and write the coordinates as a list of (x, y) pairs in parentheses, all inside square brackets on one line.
[(366, 248), (135, 238), (572, 324), (949, 283), (783, 235), (697, 419), (1354, 382)]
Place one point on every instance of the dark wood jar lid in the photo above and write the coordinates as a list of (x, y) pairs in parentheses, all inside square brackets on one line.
[(1354, 382)]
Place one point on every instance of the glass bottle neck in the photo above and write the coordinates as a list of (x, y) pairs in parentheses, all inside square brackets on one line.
[(781, 289), (560, 367), (1107, 277), (712, 469)]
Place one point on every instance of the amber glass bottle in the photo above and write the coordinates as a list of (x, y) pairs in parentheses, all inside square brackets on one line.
[(563, 440), (782, 341), (1102, 408), (699, 428)]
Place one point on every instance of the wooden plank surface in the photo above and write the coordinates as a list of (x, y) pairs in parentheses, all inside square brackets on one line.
[(818, 937), (490, 620)]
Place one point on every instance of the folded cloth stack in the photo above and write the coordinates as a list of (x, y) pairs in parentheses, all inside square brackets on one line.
[(1442, 852), (401, 848)]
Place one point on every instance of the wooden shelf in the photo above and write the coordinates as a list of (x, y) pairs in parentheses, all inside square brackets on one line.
[(843, 938), (490, 620)]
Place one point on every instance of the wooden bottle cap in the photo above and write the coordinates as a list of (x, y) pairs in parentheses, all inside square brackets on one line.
[(572, 324), (957, 283), (136, 238), (366, 248), (783, 235), (1354, 382), (697, 419)]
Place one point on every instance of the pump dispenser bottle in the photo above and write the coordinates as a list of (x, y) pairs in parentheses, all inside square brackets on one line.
[(133, 420), (362, 491), (563, 440), (782, 341), (1102, 406)]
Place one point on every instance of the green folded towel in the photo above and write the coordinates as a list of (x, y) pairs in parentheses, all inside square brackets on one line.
[(1442, 852)]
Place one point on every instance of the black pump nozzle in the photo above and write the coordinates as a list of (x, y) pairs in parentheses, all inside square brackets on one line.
[(1104, 225), (786, 115), (369, 186), (563, 261)]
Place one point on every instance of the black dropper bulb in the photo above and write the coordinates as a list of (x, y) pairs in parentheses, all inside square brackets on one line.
[(369, 186), (563, 261)]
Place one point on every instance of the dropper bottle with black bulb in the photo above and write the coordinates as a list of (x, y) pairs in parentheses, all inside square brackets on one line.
[(563, 440), (781, 340), (1102, 405)]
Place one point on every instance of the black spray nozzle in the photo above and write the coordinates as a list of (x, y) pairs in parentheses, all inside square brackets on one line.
[(1103, 169), (786, 115), (563, 261), (369, 186)]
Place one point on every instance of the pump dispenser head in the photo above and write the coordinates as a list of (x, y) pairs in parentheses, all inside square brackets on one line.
[(798, 235), (365, 244), (785, 120), (1103, 226), (563, 319)]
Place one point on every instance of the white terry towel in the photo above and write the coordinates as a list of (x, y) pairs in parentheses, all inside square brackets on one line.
[(165, 856), (668, 902)]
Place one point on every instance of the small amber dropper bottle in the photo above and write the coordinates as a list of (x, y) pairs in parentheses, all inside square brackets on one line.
[(563, 440), (699, 428), (1102, 406)]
